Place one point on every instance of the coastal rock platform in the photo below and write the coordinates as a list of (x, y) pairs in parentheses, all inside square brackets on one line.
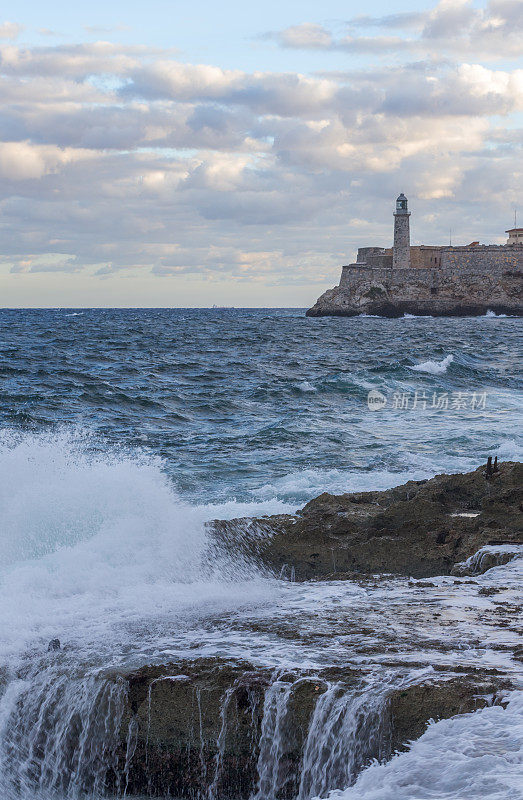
[(198, 728), (421, 529)]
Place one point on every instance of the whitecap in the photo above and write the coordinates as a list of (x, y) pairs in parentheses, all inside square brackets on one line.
[(305, 386), (434, 367)]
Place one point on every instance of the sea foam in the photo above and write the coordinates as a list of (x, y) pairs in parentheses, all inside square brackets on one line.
[(92, 544), (468, 757), (434, 367)]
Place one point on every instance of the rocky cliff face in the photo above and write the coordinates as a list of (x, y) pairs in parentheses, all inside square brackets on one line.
[(210, 728), (434, 292)]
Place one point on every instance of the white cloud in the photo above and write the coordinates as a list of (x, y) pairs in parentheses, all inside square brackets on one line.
[(455, 27), (20, 161), (306, 35), (117, 158), (10, 30)]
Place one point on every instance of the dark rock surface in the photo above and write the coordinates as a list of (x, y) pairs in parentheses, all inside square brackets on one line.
[(331, 304), (415, 529), (192, 729)]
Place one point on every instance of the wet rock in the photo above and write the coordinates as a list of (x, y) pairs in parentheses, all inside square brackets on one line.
[(410, 709), (191, 726), (486, 558), (54, 644), (195, 729), (415, 529)]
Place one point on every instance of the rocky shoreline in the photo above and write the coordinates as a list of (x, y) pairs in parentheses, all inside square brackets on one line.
[(197, 729), (222, 727), (420, 529), (422, 292)]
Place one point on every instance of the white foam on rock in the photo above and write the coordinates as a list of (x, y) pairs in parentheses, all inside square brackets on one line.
[(468, 757)]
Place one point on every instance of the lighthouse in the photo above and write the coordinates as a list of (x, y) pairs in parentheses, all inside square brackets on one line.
[(401, 250)]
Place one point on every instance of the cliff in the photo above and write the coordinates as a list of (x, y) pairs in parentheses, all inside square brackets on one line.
[(459, 290)]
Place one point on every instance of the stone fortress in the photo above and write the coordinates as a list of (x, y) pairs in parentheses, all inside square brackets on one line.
[(428, 280)]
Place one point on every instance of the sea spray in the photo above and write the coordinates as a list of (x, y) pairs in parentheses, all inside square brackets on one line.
[(347, 730), (59, 734), (99, 552), (434, 367), (475, 755), (98, 549)]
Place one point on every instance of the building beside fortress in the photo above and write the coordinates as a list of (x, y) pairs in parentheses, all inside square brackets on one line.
[(430, 279)]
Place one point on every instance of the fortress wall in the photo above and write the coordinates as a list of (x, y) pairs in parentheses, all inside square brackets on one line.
[(452, 261), (459, 289), (375, 256), (425, 257), (353, 275), (490, 258)]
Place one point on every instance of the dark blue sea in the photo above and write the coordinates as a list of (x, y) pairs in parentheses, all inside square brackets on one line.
[(254, 404), (124, 432)]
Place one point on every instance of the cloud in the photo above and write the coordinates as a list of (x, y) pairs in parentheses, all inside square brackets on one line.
[(306, 35), (77, 61), (10, 30), (20, 161), (453, 26), (125, 160), (104, 30)]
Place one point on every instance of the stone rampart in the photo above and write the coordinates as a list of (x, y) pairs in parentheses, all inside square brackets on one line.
[(485, 258)]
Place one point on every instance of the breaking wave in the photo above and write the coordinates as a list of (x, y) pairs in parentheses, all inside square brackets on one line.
[(493, 314), (92, 543), (434, 367)]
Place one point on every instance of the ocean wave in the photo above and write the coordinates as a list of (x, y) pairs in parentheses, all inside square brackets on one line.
[(434, 367), (491, 314), (475, 755), (303, 485), (95, 543), (306, 386)]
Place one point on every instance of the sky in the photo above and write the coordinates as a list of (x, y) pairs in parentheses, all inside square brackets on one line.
[(189, 154)]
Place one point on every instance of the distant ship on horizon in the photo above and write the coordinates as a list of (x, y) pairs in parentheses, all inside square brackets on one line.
[(222, 308)]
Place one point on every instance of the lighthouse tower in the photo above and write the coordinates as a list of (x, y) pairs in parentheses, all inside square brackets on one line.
[(401, 250)]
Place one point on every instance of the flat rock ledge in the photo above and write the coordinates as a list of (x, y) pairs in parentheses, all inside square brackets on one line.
[(420, 529), (194, 729)]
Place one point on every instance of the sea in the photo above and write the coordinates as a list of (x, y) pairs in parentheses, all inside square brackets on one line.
[(123, 432)]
